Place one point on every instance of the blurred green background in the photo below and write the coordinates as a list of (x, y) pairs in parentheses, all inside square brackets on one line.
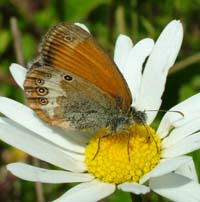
[(106, 19)]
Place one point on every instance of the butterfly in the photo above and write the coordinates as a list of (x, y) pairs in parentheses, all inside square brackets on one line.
[(74, 84)]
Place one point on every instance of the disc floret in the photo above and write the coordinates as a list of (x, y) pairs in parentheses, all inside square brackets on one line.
[(124, 155)]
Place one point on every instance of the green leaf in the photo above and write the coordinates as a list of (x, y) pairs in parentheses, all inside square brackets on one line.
[(5, 40), (29, 46), (79, 9)]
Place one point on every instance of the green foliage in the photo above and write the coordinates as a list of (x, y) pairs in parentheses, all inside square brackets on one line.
[(73, 10), (5, 40), (119, 196), (29, 46)]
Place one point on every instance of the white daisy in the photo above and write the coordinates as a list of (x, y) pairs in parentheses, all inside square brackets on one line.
[(157, 159)]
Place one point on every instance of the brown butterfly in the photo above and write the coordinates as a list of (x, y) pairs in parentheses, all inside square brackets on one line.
[(74, 84)]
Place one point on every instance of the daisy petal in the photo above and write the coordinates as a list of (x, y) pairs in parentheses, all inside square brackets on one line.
[(35, 174), (154, 77), (82, 26), (190, 108), (181, 132), (164, 167), (73, 155), (185, 146), (87, 192), (18, 73), (22, 115), (38, 147), (133, 66), (122, 48), (188, 170), (176, 188), (134, 188), (3, 120)]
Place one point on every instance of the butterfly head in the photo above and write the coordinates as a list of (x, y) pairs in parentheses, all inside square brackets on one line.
[(122, 121)]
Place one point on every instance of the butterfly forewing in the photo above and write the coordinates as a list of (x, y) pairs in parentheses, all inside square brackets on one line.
[(69, 47)]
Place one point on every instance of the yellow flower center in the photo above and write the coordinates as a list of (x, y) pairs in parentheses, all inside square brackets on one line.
[(123, 156)]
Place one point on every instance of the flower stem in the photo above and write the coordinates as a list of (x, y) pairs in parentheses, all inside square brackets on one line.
[(136, 198), (17, 40), (38, 185), (185, 63)]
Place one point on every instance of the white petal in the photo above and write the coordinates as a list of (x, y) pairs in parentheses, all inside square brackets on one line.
[(134, 188), (18, 73), (190, 108), (154, 77), (188, 170), (133, 66), (26, 117), (38, 147), (87, 192), (185, 146), (176, 188), (74, 155), (35, 174), (165, 166), (181, 132), (82, 26), (122, 48), (3, 120)]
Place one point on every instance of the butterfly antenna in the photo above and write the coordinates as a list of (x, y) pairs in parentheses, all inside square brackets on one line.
[(162, 110)]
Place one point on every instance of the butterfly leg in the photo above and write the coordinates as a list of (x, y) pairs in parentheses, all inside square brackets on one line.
[(128, 146), (151, 136), (99, 144)]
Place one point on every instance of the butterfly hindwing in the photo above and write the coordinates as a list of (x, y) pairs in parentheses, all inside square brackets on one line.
[(66, 100)]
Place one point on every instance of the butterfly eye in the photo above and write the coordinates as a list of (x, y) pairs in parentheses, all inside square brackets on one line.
[(39, 81), (68, 78), (43, 101), (42, 91)]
